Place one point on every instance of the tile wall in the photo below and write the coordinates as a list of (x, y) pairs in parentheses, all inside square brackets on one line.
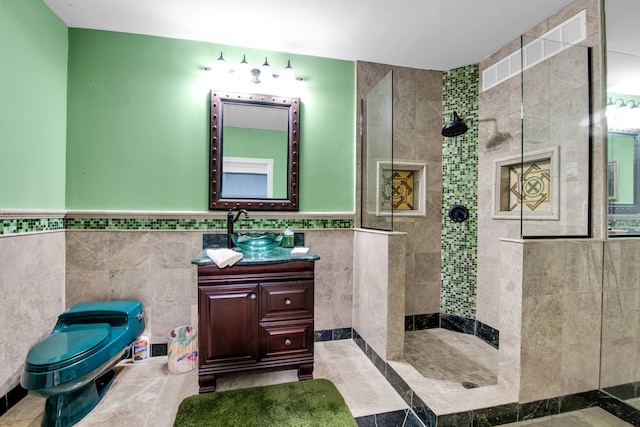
[(33, 294), (551, 299), (379, 290), (460, 187)]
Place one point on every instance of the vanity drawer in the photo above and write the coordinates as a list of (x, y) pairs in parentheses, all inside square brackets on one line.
[(286, 338), (286, 300)]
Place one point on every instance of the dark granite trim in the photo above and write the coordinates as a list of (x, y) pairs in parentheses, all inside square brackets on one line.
[(619, 408), (488, 334), (399, 385), (400, 418), (423, 412), (455, 420), (497, 415), (419, 322), (159, 350), (378, 361), (573, 402), (624, 391), (10, 399), (333, 334), (458, 324)]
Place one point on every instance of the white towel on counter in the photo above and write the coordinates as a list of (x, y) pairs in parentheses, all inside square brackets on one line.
[(224, 257)]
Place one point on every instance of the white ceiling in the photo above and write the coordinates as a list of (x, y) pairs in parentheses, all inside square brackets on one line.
[(623, 46), (428, 34)]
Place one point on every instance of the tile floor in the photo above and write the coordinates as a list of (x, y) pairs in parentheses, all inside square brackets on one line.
[(147, 394)]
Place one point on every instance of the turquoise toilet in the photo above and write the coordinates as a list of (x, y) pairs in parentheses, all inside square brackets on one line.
[(72, 367)]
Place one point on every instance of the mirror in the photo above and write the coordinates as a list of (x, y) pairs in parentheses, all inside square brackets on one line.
[(623, 117), (254, 161)]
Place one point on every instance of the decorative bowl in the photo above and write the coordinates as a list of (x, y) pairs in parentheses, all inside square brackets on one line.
[(256, 242)]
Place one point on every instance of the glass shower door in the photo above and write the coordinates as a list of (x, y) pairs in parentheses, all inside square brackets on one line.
[(551, 185), (377, 157)]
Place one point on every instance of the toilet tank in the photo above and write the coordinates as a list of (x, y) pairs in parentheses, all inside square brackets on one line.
[(116, 313)]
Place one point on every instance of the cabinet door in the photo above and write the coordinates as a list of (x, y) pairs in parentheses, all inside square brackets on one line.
[(228, 324)]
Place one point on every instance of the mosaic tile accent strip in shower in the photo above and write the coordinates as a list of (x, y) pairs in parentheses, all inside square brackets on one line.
[(459, 187)]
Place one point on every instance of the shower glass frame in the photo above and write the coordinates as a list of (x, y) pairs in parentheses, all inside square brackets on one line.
[(556, 143), (376, 134)]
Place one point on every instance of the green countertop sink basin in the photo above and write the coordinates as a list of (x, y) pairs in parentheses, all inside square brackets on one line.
[(257, 242)]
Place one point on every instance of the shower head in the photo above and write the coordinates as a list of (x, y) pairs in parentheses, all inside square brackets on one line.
[(455, 127)]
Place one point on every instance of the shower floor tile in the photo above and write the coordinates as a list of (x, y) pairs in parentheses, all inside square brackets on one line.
[(438, 361), (452, 357)]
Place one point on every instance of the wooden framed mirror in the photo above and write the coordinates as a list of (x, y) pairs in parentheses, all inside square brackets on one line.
[(254, 146)]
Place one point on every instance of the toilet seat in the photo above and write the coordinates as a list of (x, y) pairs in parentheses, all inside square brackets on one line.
[(73, 343)]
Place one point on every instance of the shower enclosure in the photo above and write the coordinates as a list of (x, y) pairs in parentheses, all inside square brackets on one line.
[(558, 275)]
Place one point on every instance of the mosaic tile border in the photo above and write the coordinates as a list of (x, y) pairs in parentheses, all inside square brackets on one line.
[(35, 225), (21, 226), (201, 224), (459, 187)]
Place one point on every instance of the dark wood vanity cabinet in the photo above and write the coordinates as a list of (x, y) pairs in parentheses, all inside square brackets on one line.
[(253, 317)]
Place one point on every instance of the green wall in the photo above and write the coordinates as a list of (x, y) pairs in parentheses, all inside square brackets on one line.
[(138, 123), (33, 91), (622, 150)]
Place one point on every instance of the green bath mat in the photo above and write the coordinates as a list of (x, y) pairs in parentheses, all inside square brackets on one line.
[(311, 403)]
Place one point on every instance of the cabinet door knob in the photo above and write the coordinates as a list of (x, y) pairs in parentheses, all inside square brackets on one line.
[(287, 341), (287, 301), (253, 296)]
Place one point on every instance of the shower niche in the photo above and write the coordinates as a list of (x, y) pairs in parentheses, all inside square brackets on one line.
[(527, 186)]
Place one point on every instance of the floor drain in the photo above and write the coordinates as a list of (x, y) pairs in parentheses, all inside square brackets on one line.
[(467, 384)]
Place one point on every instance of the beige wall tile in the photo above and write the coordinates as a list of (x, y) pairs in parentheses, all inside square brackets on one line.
[(33, 294)]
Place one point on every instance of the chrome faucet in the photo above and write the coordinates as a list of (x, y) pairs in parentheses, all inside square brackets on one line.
[(230, 221)]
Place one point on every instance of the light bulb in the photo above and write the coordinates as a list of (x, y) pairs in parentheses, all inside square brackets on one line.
[(244, 69), (288, 73), (265, 72)]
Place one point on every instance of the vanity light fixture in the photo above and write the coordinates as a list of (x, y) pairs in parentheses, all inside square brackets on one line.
[(263, 74), (612, 105), (623, 114)]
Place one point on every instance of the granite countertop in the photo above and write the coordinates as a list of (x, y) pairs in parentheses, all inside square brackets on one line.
[(274, 256)]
